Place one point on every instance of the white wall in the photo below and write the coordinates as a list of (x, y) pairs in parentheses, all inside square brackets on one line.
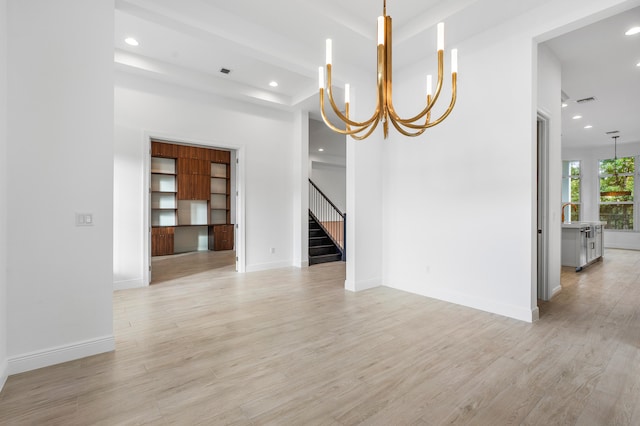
[(128, 251), (549, 83), (300, 178), (364, 239), (459, 204), (3, 192), (60, 147), (265, 138), (590, 188)]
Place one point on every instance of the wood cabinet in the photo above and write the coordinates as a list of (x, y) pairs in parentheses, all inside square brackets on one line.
[(218, 156), (166, 150), (162, 241), (193, 187), (188, 182), (193, 178), (221, 237), (194, 152), (193, 166)]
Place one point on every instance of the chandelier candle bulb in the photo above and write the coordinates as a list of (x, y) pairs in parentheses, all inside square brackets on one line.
[(380, 30), (328, 51), (440, 39), (346, 94), (321, 77), (454, 60), (429, 85)]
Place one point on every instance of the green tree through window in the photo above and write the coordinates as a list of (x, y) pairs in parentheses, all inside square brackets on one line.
[(617, 192), (571, 176)]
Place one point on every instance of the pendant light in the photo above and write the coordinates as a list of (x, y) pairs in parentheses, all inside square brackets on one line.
[(615, 174)]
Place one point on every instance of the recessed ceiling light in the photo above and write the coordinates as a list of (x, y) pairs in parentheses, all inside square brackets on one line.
[(638, 64), (321, 149), (588, 126), (633, 31), (577, 117), (131, 41), (273, 84), (564, 105)]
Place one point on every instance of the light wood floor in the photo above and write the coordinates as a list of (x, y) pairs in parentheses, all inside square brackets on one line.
[(292, 347), (216, 264)]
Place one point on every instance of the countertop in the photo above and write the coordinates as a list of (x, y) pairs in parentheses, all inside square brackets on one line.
[(581, 224)]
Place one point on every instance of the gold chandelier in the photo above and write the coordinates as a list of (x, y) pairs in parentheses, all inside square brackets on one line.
[(385, 111)]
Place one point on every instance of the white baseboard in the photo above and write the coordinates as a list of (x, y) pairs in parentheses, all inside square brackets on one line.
[(301, 264), (60, 354), (362, 285), (266, 266), (128, 284), (4, 373), (535, 314), (555, 291)]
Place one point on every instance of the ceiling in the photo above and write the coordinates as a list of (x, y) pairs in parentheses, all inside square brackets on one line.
[(189, 41), (600, 61)]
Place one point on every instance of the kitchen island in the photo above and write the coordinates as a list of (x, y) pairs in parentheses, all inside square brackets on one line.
[(582, 243)]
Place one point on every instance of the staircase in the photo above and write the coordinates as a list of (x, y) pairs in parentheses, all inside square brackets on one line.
[(322, 249)]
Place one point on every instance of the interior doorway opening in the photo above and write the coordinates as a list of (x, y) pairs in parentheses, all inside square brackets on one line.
[(192, 210)]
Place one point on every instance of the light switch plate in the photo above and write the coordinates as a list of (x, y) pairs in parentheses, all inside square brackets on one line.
[(84, 219)]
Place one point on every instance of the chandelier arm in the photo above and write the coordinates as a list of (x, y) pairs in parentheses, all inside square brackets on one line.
[(454, 78), (428, 124), (398, 125), (366, 135), (348, 131), (339, 113), (406, 121), (406, 132)]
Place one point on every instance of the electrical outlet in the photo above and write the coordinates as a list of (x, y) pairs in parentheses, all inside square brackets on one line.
[(273, 250)]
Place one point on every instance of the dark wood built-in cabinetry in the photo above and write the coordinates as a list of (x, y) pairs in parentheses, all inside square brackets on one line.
[(162, 240), (190, 186), (221, 237)]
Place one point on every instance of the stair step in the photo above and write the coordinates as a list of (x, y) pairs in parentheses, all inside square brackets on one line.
[(316, 233), (314, 260), (319, 241), (323, 249)]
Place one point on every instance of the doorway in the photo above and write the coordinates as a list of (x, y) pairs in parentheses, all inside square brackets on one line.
[(194, 210)]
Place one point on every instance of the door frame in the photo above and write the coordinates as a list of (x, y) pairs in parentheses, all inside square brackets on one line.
[(239, 230), (542, 218)]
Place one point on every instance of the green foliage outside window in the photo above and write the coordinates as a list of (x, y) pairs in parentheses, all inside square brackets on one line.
[(616, 192), (571, 189)]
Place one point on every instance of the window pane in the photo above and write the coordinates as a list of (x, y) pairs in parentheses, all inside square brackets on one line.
[(571, 181), (575, 214), (617, 216), (616, 188), (575, 190), (621, 166), (574, 168)]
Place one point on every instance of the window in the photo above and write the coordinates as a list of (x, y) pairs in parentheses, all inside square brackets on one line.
[(571, 190), (617, 192)]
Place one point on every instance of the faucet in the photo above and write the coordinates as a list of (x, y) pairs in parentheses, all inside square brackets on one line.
[(573, 206)]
